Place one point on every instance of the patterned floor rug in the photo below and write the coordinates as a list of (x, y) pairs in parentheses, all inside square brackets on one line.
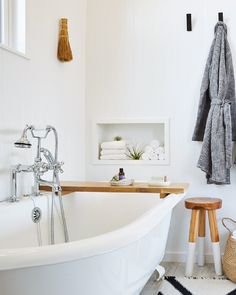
[(196, 286)]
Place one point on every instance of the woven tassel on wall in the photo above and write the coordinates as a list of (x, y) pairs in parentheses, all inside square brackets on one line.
[(64, 52)]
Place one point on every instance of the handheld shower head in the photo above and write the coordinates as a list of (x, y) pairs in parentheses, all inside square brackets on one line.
[(23, 142)]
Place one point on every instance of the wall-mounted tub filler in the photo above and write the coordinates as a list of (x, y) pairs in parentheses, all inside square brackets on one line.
[(38, 168)]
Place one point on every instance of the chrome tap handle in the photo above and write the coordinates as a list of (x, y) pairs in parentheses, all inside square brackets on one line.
[(39, 168), (57, 167), (44, 168)]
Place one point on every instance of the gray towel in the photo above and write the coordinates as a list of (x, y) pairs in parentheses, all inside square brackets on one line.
[(216, 120)]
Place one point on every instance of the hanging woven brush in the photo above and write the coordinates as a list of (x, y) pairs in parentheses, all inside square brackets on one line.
[(64, 52)]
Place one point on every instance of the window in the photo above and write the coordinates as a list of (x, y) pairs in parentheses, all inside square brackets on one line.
[(12, 24), (2, 21)]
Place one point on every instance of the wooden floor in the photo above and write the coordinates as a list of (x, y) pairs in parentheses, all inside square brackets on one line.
[(177, 269)]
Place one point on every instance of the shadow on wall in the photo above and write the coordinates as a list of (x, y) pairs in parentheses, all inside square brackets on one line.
[(8, 135)]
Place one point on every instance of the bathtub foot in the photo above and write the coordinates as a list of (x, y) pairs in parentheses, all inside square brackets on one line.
[(160, 272)]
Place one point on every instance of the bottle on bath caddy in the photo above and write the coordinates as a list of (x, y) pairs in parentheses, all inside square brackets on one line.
[(121, 174)]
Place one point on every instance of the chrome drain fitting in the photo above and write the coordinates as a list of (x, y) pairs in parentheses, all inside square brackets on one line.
[(36, 215)]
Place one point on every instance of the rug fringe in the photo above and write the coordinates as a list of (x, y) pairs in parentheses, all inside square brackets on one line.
[(200, 278), (206, 278)]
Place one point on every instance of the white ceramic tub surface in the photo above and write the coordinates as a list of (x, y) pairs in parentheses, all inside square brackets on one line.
[(116, 242)]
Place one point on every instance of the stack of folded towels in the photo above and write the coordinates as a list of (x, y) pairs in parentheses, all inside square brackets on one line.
[(154, 151), (113, 150)]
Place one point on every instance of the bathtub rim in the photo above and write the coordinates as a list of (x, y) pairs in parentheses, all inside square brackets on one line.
[(27, 257)]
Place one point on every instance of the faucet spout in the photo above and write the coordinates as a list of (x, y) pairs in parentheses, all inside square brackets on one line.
[(14, 171), (56, 188), (13, 197)]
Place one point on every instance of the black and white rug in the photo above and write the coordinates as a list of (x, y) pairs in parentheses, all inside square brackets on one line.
[(196, 286)]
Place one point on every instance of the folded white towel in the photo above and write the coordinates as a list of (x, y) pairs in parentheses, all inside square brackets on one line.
[(155, 143), (112, 152), (113, 157), (114, 145)]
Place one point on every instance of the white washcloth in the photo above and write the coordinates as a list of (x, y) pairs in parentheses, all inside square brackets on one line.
[(153, 156), (155, 143), (145, 157), (155, 151), (160, 150), (148, 149), (113, 152), (114, 145), (161, 157), (113, 157)]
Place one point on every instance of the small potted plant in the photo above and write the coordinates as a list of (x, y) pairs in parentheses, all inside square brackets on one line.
[(117, 138), (134, 152)]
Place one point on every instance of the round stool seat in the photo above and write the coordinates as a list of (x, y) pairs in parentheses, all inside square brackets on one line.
[(203, 203)]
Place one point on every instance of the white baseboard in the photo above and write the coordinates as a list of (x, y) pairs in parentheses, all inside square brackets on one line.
[(181, 257)]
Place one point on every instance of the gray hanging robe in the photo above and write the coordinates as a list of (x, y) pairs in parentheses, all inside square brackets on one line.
[(216, 119)]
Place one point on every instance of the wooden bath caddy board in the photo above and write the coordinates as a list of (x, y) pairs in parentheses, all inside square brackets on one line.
[(138, 187)]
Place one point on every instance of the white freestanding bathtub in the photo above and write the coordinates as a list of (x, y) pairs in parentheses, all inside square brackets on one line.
[(116, 242)]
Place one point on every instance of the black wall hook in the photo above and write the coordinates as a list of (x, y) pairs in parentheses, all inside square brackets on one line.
[(220, 16), (189, 22)]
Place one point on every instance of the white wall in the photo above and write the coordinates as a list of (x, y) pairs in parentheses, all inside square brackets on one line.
[(44, 91), (141, 62)]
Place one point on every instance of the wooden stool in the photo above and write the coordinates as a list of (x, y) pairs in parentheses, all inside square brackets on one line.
[(197, 227)]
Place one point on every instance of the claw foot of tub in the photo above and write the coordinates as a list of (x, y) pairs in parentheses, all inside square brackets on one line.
[(160, 272)]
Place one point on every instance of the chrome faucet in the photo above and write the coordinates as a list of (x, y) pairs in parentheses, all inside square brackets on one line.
[(39, 167)]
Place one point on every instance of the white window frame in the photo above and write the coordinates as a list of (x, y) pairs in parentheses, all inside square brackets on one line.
[(6, 41)]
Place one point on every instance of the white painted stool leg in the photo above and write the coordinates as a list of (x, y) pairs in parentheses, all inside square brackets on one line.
[(217, 258), (215, 241), (192, 241), (190, 259), (201, 248)]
